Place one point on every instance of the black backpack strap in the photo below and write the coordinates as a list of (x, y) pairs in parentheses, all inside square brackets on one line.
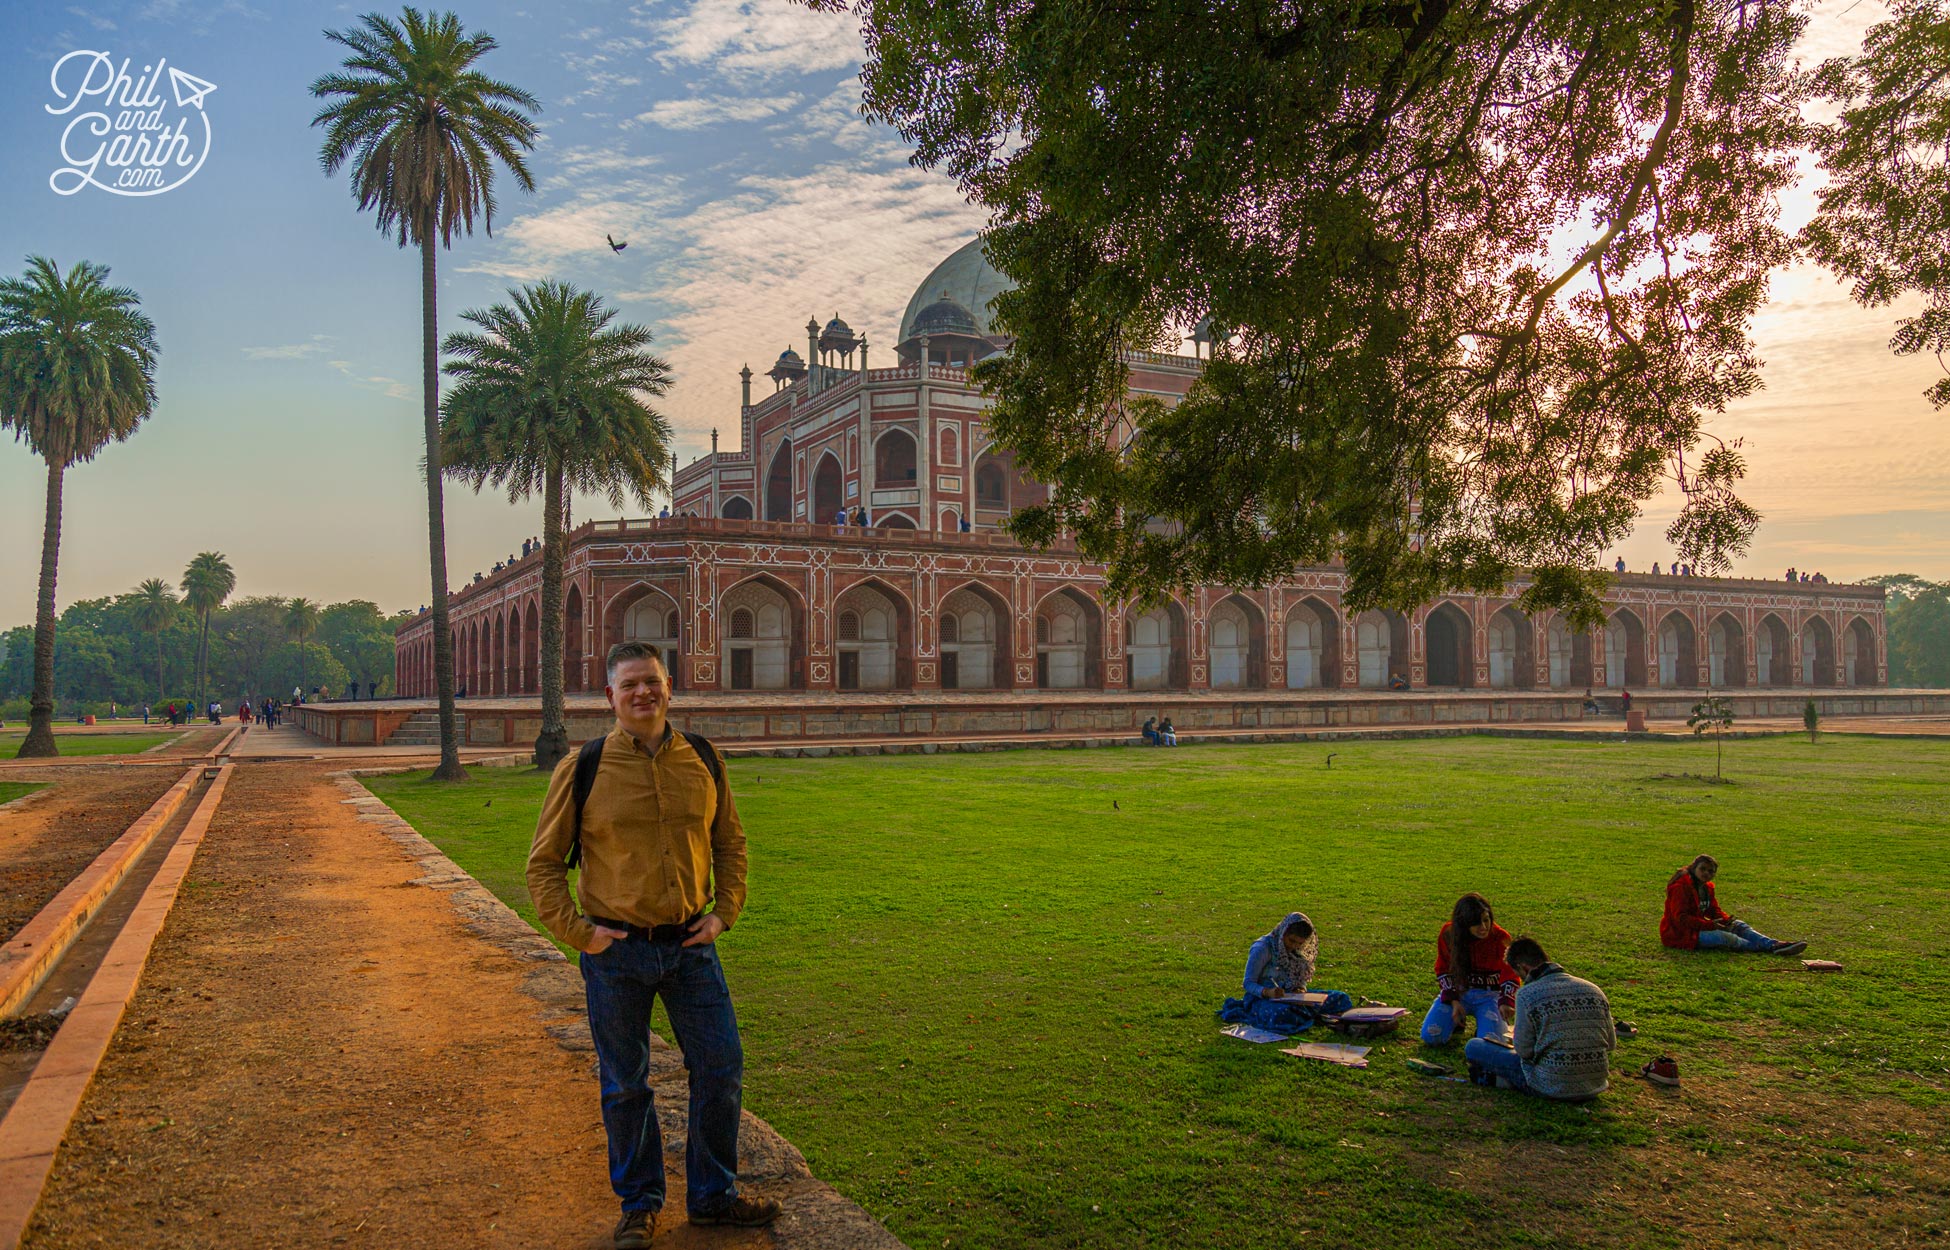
[(588, 760), (707, 753)]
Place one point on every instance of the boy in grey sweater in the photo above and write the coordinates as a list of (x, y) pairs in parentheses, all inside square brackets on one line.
[(1565, 1033)]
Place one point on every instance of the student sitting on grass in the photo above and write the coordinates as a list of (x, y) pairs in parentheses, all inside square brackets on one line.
[(1472, 974), (1694, 921), (1282, 962), (1565, 1034)]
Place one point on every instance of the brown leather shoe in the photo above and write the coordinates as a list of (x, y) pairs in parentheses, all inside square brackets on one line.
[(743, 1213), (634, 1230)]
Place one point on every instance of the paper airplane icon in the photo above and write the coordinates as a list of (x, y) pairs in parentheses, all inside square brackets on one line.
[(189, 89)]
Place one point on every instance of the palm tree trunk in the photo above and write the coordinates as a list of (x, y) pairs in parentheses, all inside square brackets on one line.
[(553, 743), (302, 683), (159, 670), (202, 658), (443, 644), (39, 743)]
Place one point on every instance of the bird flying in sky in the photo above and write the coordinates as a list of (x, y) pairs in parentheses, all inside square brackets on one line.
[(614, 246)]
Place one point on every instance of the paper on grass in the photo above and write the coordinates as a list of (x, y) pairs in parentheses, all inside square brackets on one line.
[(1331, 1052), (1249, 1033)]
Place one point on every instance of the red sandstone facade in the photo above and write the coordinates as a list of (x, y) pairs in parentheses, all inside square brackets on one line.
[(793, 606), (759, 589)]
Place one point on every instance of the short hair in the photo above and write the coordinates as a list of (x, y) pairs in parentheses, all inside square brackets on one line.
[(1526, 952), (626, 651)]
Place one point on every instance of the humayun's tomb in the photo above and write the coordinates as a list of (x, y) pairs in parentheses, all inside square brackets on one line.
[(759, 590)]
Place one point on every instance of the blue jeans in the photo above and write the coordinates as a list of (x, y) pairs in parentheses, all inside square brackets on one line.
[(1740, 936), (622, 984), (1440, 1023), (1497, 1061)]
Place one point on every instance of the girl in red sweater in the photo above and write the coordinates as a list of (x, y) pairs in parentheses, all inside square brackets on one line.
[(1695, 921), (1472, 974)]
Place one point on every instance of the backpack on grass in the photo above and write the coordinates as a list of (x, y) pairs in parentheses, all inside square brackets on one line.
[(590, 757)]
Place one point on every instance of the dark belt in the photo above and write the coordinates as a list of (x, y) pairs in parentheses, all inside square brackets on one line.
[(652, 933)]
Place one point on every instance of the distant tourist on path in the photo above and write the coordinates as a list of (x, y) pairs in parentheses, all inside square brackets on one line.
[(1282, 962), (1471, 974), (663, 875), (1166, 734), (1564, 1036), (145, 713), (244, 712), (1625, 702), (1695, 921)]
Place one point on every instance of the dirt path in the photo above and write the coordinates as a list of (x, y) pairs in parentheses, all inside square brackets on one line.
[(54, 833), (322, 1055)]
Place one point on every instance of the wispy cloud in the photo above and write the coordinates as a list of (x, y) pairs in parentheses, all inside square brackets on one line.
[(697, 112), (392, 388), (316, 345), (95, 20), (754, 38)]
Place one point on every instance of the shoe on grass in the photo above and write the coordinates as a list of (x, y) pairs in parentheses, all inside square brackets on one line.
[(1624, 1028), (634, 1230), (742, 1213), (1661, 1071), (1788, 948)]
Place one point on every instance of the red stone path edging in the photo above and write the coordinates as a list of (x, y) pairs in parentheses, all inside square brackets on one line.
[(34, 1127), (26, 960)]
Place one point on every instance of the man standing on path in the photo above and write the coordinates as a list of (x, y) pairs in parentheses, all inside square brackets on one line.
[(663, 875)]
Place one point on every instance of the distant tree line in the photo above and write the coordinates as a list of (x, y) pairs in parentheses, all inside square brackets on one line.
[(1919, 629), (127, 650)]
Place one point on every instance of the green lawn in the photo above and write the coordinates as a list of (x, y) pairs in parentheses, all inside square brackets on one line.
[(88, 744), (11, 790), (980, 998)]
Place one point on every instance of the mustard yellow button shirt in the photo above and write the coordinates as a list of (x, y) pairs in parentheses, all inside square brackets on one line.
[(661, 842)]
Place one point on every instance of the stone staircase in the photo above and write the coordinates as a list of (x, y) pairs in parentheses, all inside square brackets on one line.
[(423, 730)]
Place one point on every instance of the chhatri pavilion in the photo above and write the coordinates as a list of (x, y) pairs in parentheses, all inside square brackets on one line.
[(754, 584)]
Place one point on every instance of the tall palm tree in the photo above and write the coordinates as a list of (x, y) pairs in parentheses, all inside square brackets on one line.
[(207, 582), (550, 398), (301, 622), (77, 372), (421, 130), (155, 610)]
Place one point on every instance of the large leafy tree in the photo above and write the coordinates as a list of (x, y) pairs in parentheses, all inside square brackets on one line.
[(551, 399), (207, 582), (1477, 273), (301, 622), (156, 609), (421, 130), (77, 372), (1918, 626), (1884, 222)]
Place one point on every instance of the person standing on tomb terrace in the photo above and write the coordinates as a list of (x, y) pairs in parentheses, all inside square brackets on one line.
[(1620, 565), (1655, 568), (1695, 921), (652, 824)]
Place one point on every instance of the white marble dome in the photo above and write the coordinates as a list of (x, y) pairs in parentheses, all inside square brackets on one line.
[(966, 278)]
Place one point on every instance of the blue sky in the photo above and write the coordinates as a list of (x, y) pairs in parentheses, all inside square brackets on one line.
[(722, 139)]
